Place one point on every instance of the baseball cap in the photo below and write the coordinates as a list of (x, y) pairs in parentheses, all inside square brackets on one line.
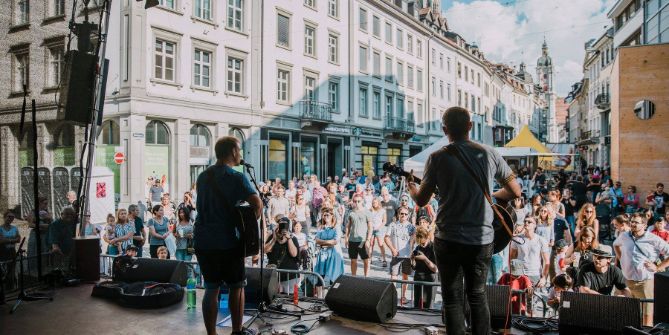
[(561, 243), (517, 267)]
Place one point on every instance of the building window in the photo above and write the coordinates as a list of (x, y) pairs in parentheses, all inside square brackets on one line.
[(236, 15), (283, 86), (333, 48), (466, 73), (110, 133), (460, 98), (474, 104), (419, 110), (333, 96), (389, 69), (376, 60), (363, 59), (283, 31), (376, 105), (363, 101), (410, 113), (448, 64), (200, 136), (466, 100), (441, 89), (22, 15), (434, 57), (448, 92), (310, 41), (459, 70), (472, 75), (20, 71), (400, 73), (419, 80), (362, 17), (310, 3), (410, 44), (235, 75), (419, 48), (400, 39), (203, 9), (167, 3), (389, 33), (376, 26), (278, 158), (56, 63), (370, 158), (157, 133), (410, 76), (441, 61), (165, 60), (56, 7), (333, 8), (389, 107), (310, 88), (394, 155), (433, 84), (400, 107), (202, 68)]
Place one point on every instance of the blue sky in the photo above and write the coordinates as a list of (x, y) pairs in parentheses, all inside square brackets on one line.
[(513, 31)]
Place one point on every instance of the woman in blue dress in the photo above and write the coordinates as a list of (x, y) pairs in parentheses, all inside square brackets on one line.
[(330, 260)]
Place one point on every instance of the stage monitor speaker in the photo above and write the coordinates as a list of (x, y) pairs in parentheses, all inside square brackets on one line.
[(77, 87), (597, 314), (661, 304), (132, 270), (87, 258), (270, 285), (362, 299), (499, 304)]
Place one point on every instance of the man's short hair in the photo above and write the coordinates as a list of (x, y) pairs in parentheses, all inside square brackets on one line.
[(132, 208), (456, 120), (659, 185), (225, 145)]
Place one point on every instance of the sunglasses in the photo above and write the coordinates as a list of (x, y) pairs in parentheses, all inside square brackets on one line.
[(589, 211), (404, 213), (636, 222), (327, 214)]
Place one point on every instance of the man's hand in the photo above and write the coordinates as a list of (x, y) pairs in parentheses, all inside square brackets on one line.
[(346, 243), (394, 252), (420, 257), (410, 177), (541, 283)]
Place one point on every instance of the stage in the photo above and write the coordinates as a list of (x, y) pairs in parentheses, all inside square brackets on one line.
[(74, 311)]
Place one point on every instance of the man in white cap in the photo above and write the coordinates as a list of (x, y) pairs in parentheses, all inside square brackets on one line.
[(600, 276)]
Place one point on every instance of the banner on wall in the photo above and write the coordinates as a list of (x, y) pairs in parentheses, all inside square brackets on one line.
[(156, 166), (101, 194)]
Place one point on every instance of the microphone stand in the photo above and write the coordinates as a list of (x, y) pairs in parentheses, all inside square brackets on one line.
[(262, 307)]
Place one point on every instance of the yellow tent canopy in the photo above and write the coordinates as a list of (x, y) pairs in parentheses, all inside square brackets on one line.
[(550, 161)]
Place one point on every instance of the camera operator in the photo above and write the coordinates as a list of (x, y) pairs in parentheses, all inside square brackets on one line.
[(539, 180), (282, 253)]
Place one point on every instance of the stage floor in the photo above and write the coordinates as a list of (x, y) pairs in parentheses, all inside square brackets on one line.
[(74, 311)]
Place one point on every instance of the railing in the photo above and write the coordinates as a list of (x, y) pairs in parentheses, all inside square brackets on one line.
[(315, 111), (585, 135), (401, 125), (602, 101)]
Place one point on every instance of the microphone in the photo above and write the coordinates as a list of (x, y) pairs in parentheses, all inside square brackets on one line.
[(247, 165)]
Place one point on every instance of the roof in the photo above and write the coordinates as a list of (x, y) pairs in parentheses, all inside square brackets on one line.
[(525, 138)]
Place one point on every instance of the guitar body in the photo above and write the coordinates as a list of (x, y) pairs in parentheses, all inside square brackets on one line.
[(503, 217), (250, 235)]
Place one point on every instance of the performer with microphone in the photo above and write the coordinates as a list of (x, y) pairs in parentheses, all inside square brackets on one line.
[(217, 244), (463, 172)]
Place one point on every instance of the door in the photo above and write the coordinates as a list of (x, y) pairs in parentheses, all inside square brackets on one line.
[(335, 158)]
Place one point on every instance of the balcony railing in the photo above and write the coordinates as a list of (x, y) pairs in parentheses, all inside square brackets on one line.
[(400, 126), (311, 110), (602, 101), (594, 134), (585, 135)]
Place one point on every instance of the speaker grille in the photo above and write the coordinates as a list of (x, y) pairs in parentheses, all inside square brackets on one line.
[(661, 305), (590, 313)]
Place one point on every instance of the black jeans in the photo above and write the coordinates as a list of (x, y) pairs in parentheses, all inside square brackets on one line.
[(423, 294), (456, 262)]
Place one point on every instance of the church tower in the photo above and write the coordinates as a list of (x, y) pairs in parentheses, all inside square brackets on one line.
[(545, 69), (548, 128)]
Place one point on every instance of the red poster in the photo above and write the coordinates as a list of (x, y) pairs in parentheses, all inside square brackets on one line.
[(101, 190)]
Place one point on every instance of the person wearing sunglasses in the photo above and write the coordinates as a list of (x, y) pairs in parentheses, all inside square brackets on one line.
[(400, 239), (587, 217), (359, 235), (600, 276), (640, 257)]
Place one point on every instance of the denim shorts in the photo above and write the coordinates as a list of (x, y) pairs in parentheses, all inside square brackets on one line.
[(381, 232)]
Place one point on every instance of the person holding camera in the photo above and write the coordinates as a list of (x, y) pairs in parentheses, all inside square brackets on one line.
[(282, 253), (423, 261)]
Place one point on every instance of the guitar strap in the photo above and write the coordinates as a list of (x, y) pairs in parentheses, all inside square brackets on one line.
[(217, 191), (452, 148)]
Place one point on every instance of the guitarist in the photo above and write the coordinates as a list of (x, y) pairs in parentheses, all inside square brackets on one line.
[(464, 239), (217, 247)]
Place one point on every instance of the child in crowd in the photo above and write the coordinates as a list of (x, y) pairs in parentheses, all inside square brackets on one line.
[(131, 251), (560, 255), (302, 245), (424, 264), (561, 283), (113, 248), (518, 281), (162, 252), (660, 228)]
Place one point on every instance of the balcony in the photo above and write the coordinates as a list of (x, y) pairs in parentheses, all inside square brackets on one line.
[(434, 128), (399, 127), (314, 113), (602, 101)]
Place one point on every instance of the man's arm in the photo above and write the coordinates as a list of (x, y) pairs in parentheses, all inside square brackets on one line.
[(256, 204), (423, 194), (585, 289), (511, 190)]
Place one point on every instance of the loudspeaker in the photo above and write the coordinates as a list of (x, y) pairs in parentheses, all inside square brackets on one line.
[(129, 270), (362, 299), (270, 289), (597, 314), (87, 258), (661, 304), (499, 305), (77, 87)]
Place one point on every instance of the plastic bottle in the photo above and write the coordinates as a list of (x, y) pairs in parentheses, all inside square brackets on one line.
[(223, 304), (295, 295), (191, 295)]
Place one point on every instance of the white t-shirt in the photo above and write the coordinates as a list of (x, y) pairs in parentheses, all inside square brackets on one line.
[(530, 253), (400, 236), (301, 239)]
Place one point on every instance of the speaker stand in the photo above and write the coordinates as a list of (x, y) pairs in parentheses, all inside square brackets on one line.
[(23, 295)]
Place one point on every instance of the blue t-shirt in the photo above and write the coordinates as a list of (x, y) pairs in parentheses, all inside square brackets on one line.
[(213, 229), (160, 227), (13, 232)]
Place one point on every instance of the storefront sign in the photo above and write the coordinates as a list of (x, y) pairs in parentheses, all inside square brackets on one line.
[(138, 135), (367, 132), (336, 129)]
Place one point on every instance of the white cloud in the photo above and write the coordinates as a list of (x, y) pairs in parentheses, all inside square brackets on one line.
[(514, 33)]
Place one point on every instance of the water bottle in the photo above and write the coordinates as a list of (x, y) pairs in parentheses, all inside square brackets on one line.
[(191, 297), (223, 304)]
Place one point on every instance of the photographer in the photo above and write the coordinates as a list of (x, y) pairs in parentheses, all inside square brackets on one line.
[(423, 261), (282, 252), (539, 180)]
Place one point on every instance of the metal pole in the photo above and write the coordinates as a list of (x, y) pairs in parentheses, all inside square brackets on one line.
[(36, 209), (92, 136)]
